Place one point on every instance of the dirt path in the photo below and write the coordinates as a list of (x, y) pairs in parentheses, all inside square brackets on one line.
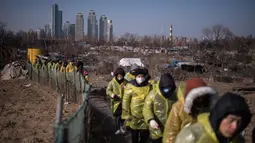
[(27, 114)]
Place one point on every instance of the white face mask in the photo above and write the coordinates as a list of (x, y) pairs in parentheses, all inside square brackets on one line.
[(140, 80), (120, 78)]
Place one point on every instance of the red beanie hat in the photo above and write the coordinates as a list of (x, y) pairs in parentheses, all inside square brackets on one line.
[(193, 83)]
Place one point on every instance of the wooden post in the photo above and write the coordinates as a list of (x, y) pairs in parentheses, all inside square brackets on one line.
[(60, 109)]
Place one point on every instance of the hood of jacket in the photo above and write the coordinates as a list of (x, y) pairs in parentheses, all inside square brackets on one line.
[(197, 88), (167, 81), (229, 103)]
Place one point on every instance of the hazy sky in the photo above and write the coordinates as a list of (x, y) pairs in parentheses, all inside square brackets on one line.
[(188, 17)]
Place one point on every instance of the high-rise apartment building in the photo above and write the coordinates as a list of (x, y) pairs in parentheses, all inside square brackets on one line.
[(96, 35), (103, 28), (72, 31), (66, 29), (109, 31), (92, 25), (47, 29), (56, 21), (69, 30), (40, 33), (60, 24), (79, 27)]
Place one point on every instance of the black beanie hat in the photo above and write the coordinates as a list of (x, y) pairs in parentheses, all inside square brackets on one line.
[(230, 103), (119, 71), (166, 80), (140, 71)]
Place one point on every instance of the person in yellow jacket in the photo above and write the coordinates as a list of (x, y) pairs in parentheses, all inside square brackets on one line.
[(86, 76), (194, 94), (63, 67), (115, 90), (53, 65), (58, 65), (135, 93), (70, 67), (157, 106), (130, 75), (49, 64), (228, 118), (44, 66), (37, 63)]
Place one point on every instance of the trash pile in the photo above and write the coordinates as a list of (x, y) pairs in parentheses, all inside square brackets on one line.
[(104, 67), (14, 70)]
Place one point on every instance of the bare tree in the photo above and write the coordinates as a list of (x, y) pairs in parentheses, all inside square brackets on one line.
[(8, 43), (217, 33)]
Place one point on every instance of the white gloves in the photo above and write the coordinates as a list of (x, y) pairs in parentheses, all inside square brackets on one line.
[(154, 124)]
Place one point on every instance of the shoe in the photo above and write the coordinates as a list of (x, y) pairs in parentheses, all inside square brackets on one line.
[(118, 132), (123, 130)]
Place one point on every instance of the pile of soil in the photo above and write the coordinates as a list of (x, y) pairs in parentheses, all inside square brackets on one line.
[(27, 113)]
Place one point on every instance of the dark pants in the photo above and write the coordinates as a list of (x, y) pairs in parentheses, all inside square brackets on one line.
[(140, 136), (118, 121), (156, 140)]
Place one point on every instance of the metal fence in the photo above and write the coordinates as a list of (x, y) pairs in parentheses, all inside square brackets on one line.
[(73, 88)]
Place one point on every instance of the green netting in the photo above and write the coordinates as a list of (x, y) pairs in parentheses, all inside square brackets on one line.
[(79, 83), (43, 73), (72, 129)]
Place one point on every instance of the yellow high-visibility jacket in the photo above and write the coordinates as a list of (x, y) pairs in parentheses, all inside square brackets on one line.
[(156, 106), (132, 105)]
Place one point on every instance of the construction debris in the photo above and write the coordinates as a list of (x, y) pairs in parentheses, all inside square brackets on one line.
[(244, 89), (14, 70)]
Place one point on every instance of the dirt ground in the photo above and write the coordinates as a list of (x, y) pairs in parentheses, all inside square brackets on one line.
[(27, 114)]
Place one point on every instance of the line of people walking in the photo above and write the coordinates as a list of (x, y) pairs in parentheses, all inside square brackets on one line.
[(61, 66), (58, 65), (160, 112)]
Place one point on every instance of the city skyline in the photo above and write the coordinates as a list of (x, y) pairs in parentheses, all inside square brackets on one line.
[(76, 31), (138, 17)]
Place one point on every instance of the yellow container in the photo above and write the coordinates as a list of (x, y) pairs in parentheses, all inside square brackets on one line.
[(32, 53), (28, 54)]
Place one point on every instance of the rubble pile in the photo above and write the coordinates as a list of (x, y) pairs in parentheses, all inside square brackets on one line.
[(104, 68), (14, 70), (90, 60)]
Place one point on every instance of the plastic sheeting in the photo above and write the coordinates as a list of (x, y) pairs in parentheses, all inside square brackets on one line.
[(130, 61), (157, 107), (132, 105)]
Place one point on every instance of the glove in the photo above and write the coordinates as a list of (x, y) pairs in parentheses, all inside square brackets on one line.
[(116, 98), (113, 95), (154, 124), (128, 128)]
